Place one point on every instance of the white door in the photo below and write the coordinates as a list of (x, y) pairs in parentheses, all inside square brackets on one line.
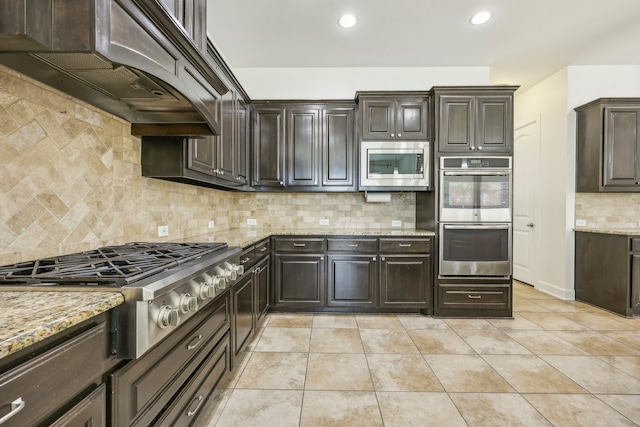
[(526, 159)]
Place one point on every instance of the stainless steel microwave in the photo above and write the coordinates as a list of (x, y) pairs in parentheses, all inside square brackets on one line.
[(395, 165)]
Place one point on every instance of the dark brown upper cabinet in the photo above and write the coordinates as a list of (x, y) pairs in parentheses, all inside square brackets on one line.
[(191, 16), (608, 145), (268, 146), (394, 115), (474, 119), (304, 146)]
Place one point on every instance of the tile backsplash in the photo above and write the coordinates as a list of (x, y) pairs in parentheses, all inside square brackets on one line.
[(609, 210), (70, 180)]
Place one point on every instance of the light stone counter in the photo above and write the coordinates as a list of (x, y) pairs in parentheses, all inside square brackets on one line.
[(31, 316), (621, 231), (247, 237)]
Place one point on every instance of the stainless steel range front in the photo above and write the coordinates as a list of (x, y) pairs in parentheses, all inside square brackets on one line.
[(163, 284)]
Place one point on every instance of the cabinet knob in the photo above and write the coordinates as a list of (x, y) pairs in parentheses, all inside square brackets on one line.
[(399, 135), (472, 147), (530, 225), (480, 147), (392, 135)]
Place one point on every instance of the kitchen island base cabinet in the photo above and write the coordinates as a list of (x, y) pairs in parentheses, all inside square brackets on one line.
[(607, 271)]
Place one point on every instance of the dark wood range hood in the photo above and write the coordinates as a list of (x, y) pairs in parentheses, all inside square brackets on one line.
[(127, 57)]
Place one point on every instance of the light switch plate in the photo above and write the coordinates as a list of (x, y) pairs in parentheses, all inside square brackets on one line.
[(251, 221), (396, 223), (212, 224), (581, 222), (324, 221)]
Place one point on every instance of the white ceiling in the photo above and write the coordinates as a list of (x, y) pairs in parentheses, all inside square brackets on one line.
[(525, 41)]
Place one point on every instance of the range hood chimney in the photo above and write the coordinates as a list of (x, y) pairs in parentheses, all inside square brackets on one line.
[(127, 57)]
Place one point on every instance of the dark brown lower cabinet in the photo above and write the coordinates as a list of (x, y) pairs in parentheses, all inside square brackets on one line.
[(263, 275), (147, 388), (243, 320), (352, 280), (61, 383), (607, 271), (299, 280), (404, 281)]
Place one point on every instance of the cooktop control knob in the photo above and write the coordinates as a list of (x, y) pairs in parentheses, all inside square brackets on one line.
[(206, 290), (188, 303), (168, 316), (219, 283), (228, 274), (237, 269)]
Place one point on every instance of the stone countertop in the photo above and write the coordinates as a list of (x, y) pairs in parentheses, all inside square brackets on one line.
[(620, 231), (31, 316), (247, 237)]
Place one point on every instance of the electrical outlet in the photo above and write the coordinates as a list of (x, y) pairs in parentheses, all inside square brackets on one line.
[(324, 221), (212, 224), (581, 222), (251, 221), (163, 230), (396, 223)]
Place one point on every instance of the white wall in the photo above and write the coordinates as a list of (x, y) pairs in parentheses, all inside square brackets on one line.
[(343, 83), (554, 100), (547, 101)]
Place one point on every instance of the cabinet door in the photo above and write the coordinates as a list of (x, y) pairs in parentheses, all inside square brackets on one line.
[(621, 146), (494, 124), (262, 287), (190, 15), (303, 147), (352, 280), (412, 119), (405, 281), (299, 280), (243, 322), (635, 283), (338, 147), (226, 160), (202, 154), (378, 118), (90, 411), (456, 123), (242, 149), (268, 147)]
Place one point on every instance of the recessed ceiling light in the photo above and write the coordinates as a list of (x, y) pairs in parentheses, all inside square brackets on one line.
[(481, 17), (347, 21)]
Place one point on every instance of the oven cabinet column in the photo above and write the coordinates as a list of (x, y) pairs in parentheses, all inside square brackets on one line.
[(474, 297), (353, 272), (299, 276), (406, 267)]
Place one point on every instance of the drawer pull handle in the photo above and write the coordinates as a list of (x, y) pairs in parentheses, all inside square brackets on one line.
[(353, 245), (200, 399), (244, 261), (194, 342), (404, 245), (16, 406), (299, 245), (475, 296), (262, 249)]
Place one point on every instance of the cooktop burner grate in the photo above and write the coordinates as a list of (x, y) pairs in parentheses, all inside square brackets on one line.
[(111, 265)]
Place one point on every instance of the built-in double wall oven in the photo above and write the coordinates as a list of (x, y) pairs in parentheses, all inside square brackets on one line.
[(475, 216)]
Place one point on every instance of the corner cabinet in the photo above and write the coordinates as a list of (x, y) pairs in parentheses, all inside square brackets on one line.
[(362, 273), (476, 119), (302, 146), (608, 145), (607, 271), (394, 115)]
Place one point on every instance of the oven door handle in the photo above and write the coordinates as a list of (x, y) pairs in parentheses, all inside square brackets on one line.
[(476, 173), (476, 227)]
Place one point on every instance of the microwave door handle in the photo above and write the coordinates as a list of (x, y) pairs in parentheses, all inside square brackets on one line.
[(476, 227)]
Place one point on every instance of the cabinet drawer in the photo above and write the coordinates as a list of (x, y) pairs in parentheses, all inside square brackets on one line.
[(300, 245), (262, 249), (405, 245), (352, 245), (635, 245), (474, 297), (90, 411), (248, 258), (51, 380)]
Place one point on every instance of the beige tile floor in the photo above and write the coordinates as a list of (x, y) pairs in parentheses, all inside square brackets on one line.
[(557, 363)]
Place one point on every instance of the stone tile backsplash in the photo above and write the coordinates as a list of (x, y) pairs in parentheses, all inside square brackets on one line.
[(70, 180), (609, 210)]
